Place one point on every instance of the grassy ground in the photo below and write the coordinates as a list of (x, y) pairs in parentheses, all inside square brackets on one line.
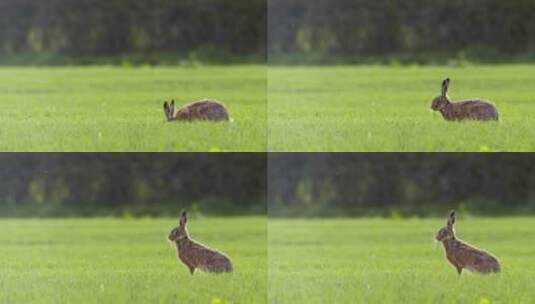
[(120, 109), (375, 108), (127, 261), (395, 261)]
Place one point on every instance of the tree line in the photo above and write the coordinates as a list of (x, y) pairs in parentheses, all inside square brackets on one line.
[(296, 184), (117, 27), (416, 27), (405, 183), (330, 28), (110, 183)]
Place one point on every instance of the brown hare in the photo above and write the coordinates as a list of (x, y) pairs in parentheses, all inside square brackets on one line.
[(472, 109), (463, 255), (209, 110), (195, 255)]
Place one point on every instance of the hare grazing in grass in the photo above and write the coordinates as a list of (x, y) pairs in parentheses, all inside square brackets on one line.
[(472, 109), (195, 255), (463, 255), (200, 110)]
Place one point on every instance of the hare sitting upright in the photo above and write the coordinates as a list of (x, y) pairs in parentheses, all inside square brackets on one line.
[(463, 255), (195, 255), (472, 109), (200, 110)]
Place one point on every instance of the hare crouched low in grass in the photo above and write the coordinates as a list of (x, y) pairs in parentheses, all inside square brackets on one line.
[(463, 255), (209, 110), (195, 255), (472, 109)]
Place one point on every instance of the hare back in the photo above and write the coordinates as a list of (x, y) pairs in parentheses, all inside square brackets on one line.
[(484, 263), (199, 256), (475, 109), (471, 258), (203, 110), (217, 262)]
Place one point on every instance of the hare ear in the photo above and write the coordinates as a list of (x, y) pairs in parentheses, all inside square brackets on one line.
[(445, 85), (173, 102), (183, 218), (451, 219), (165, 105)]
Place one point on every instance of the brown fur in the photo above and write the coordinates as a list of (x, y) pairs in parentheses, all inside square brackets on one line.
[(472, 109), (203, 110), (195, 255), (462, 255)]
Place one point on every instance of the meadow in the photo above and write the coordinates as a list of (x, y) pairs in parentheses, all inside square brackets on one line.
[(395, 261), (105, 260), (121, 108), (387, 108)]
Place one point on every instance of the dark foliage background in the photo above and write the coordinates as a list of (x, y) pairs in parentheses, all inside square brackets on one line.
[(416, 30), (150, 31), (117, 184), (296, 184), (400, 183)]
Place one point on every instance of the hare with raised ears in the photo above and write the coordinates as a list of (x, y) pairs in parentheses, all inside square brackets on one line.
[(209, 110), (463, 255), (472, 109), (196, 255)]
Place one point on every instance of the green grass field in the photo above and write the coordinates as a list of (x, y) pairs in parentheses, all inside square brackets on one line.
[(377, 108), (395, 261), (120, 109), (127, 261)]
